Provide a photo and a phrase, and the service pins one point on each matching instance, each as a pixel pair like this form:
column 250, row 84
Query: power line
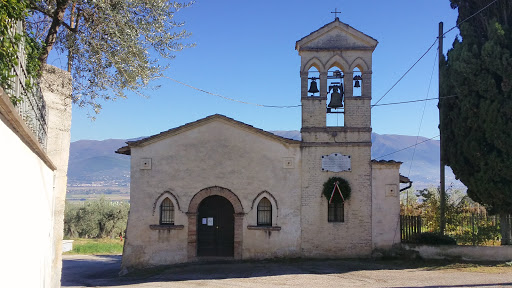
column 376, row 103
column 476, row 13
column 231, row 99
column 422, row 115
column 408, row 70
column 414, row 101
column 407, row 147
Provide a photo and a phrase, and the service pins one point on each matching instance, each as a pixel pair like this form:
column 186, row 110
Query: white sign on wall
column 336, row 162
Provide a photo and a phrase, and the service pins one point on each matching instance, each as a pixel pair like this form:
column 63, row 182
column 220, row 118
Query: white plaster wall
column 218, row 153
column 26, row 213
column 469, row 253
column 385, row 205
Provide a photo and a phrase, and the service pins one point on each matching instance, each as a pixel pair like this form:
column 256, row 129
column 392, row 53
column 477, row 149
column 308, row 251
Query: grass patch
column 96, row 246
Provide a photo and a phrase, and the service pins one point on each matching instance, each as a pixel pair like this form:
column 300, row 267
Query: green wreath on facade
column 342, row 184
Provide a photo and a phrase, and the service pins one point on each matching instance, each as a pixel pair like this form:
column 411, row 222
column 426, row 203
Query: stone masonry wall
column 321, row 238
column 56, row 88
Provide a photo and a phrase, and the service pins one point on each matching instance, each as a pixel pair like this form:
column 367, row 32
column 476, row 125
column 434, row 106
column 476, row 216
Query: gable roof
column 186, row 127
column 364, row 41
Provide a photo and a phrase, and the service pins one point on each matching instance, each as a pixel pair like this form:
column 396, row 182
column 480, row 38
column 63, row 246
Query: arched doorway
column 194, row 218
column 215, row 227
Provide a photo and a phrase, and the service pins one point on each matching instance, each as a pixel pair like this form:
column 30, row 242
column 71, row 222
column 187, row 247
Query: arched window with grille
column 264, row 212
column 167, row 212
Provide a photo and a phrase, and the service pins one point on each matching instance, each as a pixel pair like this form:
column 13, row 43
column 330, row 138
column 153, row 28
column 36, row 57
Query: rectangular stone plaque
column 336, row 162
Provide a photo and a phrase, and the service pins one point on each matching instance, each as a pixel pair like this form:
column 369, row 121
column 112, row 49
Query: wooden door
column 215, row 227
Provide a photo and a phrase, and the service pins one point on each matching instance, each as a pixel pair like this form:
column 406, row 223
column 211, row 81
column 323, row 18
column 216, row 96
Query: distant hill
column 92, row 161
column 95, row 161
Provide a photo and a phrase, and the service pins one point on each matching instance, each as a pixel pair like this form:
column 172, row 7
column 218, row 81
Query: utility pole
column 442, row 193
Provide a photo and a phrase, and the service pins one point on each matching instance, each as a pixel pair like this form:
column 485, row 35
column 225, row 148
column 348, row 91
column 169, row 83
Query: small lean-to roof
column 404, row 179
column 386, row 161
column 216, row 117
column 364, row 41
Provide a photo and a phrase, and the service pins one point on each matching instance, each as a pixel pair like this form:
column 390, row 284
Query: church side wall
column 214, row 154
column 26, row 210
column 385, row 204
column 351, row 238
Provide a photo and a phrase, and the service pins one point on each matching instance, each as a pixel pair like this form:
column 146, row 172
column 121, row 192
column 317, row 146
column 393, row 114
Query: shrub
column 429, row 238
column 95, row 219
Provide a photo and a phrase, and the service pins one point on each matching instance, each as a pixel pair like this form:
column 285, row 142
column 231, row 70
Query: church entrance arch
column 215, row 227
column 221, row 235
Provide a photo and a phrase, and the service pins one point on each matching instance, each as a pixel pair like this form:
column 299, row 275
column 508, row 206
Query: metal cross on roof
column 335, row 13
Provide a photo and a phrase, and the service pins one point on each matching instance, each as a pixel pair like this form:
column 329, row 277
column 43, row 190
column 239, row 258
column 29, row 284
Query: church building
column 218, row 187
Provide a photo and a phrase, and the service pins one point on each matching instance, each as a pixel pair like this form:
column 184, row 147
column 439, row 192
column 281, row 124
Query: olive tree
column 113, row 46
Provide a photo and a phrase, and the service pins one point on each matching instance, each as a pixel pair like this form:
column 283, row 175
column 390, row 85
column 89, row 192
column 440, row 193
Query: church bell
column 357, row 78
column 336, row 96
column 313, row 88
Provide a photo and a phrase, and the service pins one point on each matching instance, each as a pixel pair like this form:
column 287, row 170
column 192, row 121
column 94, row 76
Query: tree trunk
column 506, row 237
column 51, row 37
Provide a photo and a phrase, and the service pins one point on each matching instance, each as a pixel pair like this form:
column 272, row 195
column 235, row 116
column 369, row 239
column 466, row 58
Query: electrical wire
column 457, row 25
column 414, row 101
column 476, row 13
column 406, row 72
column 407, row 147
column 231, row 99
column 376, row 103
column 422, row 115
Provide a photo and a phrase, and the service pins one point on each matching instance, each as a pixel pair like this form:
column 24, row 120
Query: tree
column 113, row 45
column 476, row 126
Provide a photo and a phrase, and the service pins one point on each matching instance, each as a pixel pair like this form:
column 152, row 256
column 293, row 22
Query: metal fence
column 31, row 105
column 470, row 228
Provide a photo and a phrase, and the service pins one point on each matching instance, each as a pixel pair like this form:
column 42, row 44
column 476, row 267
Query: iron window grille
column 264, row 212
column 166, row 212
column 336, row 212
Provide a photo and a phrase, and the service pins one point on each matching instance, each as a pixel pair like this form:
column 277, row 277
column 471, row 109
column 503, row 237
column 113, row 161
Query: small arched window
column 264, row 212
column 166, row 212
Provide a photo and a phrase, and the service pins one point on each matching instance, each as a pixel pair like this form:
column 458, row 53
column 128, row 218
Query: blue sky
column 246, row 50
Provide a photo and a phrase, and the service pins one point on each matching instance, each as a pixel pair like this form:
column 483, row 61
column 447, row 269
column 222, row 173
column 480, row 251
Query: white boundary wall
column 26, row 213
column 473, row 253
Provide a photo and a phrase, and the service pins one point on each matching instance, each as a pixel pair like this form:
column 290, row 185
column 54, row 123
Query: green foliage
column 10, row 43
column 115, row 46
column 429, row 238
column 476, row 126
column 483, row 233
column 342, row 184
column 466, row 222
column 97, row 246
column 95, row 219
column 10, row 12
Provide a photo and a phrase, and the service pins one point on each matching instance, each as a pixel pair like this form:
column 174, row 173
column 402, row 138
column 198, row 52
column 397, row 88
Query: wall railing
column 26, row 93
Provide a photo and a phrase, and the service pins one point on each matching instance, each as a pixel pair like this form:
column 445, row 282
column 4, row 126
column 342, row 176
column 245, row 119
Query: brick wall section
column 313, row 114
column 358, row 112
column 319, row 237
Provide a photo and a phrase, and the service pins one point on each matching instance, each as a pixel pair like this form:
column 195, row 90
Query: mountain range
column 93, row 162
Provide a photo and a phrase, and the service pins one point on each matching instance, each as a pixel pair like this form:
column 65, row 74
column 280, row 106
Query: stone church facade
column 218, row 187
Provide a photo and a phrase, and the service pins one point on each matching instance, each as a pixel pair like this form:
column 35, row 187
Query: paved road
column 101, row 271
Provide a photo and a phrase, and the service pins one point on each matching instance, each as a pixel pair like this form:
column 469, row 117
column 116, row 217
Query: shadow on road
column 101, row 271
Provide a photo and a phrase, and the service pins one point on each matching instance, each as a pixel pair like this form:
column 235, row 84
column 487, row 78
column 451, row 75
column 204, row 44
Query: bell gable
column 336, row 36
